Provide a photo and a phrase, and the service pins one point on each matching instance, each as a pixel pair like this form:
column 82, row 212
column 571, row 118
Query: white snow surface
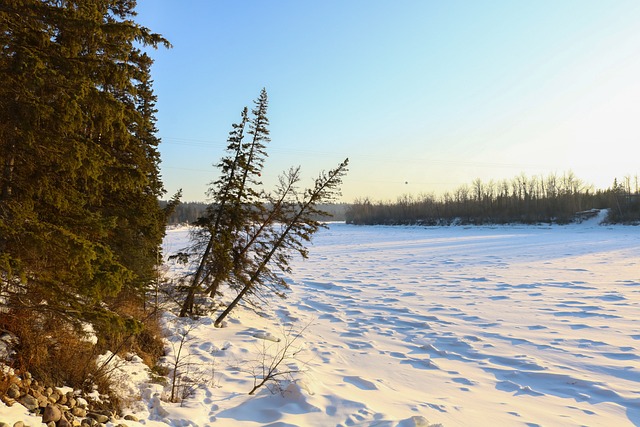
column 414, row 326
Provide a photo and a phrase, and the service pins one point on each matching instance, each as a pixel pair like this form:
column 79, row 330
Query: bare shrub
column 186, row 372
column 277, row 362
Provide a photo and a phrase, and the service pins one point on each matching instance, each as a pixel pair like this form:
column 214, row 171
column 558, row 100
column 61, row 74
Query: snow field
column 482, row 326
column 461, row 326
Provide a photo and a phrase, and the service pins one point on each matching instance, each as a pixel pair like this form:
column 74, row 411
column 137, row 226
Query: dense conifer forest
column 80, row 225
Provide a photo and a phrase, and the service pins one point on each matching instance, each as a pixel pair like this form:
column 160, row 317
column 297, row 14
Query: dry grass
column 59, row 352
column 50, row 348
column 147, row 342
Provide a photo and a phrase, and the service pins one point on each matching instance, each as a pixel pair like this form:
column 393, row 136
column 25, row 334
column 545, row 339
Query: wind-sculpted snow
column 486, row 326
column 478, row 326
column 491, row 326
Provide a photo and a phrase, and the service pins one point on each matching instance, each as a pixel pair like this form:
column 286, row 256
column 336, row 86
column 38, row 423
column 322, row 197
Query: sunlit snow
column 460, row 326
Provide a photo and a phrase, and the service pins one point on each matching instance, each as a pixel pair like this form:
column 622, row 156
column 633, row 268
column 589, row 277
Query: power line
column 355, row 158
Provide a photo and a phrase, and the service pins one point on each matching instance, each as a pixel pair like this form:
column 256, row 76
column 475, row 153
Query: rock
column 89, row 422
column 51, row 413
column 131, row 418
column 63, row 422
column 14, row 391
column 121, row 425
column 30, row 402
column 71, row 402
column 43, row 401
column 63, row 399
column 8, row 401
column 18, row 424
column 51, row 424
column 54, row 397
column 3, row 424
column 98, row 417
column 78, row 412
column 48, row 391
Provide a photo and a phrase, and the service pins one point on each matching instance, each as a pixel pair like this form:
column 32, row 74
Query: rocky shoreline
column 58, row 409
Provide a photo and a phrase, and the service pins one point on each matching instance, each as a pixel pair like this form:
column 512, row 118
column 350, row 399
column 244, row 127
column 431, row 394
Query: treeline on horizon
column 526, row 200
column 190, row 212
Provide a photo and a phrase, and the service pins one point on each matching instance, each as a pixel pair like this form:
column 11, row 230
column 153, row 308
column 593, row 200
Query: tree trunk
column 187, row 305
column 314, row 198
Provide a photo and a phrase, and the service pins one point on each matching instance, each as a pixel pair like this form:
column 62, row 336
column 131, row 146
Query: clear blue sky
column 422, row 96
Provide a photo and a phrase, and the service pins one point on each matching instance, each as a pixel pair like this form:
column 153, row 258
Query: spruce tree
column 247, row 237
column 79, row 218
column 213, row 233
column 236, row 205
column 296, row 223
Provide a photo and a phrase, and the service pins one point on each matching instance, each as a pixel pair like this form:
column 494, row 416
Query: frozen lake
column 476, row 326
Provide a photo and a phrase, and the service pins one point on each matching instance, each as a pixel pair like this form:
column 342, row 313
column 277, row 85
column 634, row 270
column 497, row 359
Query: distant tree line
column 185, row 212
column 523, row 199
column 623, row 201
column 189, row 212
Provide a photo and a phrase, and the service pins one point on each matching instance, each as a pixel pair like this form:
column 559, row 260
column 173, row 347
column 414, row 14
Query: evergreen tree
column 287, row 236
column 247, row 237
column 213, row 233
column 79, row 218
column 235, row 207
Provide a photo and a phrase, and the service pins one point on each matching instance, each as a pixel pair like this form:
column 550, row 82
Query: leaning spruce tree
column 235, row 204
column 212, row 236
column 295, row 226
column 248, row 236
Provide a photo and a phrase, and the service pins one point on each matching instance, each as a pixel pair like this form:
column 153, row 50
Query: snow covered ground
column 460, row 326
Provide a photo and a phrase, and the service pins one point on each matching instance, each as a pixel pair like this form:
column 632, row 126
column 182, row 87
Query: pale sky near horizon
column 423, row 96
